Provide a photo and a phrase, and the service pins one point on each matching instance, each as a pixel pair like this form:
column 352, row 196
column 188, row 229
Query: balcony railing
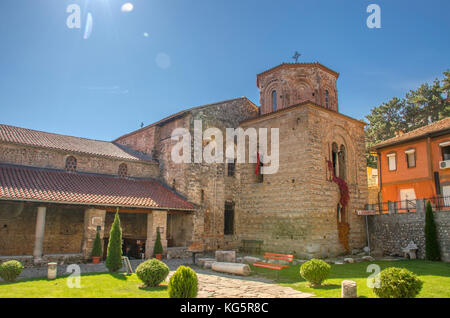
column 440, row 203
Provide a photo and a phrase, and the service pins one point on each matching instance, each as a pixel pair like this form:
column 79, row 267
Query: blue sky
column 168, row 55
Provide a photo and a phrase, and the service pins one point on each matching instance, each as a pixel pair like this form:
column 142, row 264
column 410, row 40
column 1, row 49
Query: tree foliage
column 97, row 249
column 114, row 252
column 432, row 251
column 420, row 107
column 158, row 248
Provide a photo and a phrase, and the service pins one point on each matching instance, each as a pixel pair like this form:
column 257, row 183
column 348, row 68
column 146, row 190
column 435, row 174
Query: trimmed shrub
column 315, row 271
column 10, row 270
column 432, row 251
column 114, row 253
column 158, row 249
column 398, row 283
column 97, row 249
column 152, row 272
column 183, row 283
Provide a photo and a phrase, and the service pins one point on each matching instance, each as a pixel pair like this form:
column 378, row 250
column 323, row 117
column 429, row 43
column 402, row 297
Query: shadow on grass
column 119, row 276
column 326, row 287
column 159, row 288
column 357, row 270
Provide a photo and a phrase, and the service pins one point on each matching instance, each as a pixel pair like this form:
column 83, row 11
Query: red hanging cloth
column 257, row 164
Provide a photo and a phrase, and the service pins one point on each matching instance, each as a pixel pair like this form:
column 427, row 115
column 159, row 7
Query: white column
column 40, row 231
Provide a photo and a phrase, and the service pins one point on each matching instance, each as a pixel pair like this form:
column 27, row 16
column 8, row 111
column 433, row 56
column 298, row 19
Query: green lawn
column 435, row 275
column 99, row 285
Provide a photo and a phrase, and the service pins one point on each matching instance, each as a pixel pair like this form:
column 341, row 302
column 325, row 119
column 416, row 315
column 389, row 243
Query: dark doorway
column 132, row 248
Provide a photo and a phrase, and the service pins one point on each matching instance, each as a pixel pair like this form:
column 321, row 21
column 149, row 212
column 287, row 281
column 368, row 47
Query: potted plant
column 158, row 249
column 97, row 250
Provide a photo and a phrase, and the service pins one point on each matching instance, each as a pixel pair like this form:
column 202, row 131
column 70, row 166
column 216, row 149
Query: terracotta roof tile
column 20, row 183
column 416, row 133
column 29, row 137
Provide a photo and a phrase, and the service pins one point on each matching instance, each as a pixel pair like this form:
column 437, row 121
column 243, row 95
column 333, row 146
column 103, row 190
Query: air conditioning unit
column 444, row 164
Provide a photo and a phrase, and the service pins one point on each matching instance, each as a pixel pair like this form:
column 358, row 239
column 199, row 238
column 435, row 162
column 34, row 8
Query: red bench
column 275, row 256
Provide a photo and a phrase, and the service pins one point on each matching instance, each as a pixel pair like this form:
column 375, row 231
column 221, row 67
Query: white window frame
column 408, row 153
column 389, row 156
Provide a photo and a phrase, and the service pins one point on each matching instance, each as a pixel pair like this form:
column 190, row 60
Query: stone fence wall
column 390, row 232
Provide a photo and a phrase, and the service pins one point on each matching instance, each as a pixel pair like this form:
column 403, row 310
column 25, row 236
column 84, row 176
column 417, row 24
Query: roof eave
column 96, row 204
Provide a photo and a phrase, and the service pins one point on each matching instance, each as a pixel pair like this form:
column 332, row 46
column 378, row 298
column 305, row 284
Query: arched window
column 341, row 217
column 339, row 213
column 327, row 98
column 71, row 164
column 342, row 159
column 274, row 100
column 123, row 170
column 334, row 157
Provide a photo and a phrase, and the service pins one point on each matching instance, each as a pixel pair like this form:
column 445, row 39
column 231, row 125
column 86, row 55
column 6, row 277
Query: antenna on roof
column 296, row 56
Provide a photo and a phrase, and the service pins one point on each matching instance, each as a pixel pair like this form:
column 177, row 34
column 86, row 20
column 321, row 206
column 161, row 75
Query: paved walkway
column 221, row 286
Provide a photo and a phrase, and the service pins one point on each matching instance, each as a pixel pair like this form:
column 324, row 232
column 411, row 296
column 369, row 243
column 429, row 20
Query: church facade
column 57, row 191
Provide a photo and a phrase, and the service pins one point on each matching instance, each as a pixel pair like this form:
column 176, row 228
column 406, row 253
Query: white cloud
column 127, row 7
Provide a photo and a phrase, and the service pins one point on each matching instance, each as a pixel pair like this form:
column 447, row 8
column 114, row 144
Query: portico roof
column 20, row 183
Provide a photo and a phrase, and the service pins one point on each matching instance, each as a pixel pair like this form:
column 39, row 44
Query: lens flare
column 88, row 28
column 163, row 60
column 127, row 7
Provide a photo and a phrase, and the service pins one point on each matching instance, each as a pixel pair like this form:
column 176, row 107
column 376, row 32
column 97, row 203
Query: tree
column 384, row 122
column 446, row 84
column 424, row 105
column 114, row 253
column 420, row 107
column 158, row 249
column 445, row 90
column 432, row 251
column 97, row 249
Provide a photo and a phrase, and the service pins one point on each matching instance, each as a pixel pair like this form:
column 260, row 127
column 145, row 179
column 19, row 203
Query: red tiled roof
column 29, row 137
column 424, row 131
column 20, row 183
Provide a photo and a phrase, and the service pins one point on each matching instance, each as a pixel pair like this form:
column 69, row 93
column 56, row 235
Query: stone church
column 57, row 191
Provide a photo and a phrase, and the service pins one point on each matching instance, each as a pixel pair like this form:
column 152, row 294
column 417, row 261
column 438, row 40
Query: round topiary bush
column 152, row 272
column 397, row 283
column 10, row 270
column 315, row 271
column 183, row 283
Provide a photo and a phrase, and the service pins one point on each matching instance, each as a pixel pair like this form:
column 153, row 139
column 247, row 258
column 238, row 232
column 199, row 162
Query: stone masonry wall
column 294, row 210
column 212, row 179
column 389, row 233
column 63, row 230
column 46, row 158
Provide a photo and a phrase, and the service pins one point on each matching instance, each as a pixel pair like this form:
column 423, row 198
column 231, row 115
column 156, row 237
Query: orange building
column 416, row 165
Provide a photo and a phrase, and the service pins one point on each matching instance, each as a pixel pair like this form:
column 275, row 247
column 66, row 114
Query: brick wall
column 297, row 84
